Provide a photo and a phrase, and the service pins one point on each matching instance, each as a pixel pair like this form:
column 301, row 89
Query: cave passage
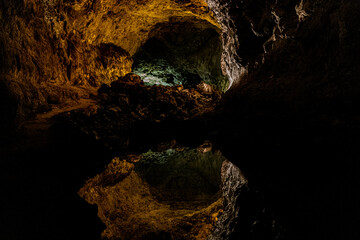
column 181, row 52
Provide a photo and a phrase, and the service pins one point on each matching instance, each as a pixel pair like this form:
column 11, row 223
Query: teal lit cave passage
column 184, row 52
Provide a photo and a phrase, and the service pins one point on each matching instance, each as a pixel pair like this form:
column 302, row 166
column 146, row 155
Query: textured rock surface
column 292, row 113
column 294, row 51
column 47, row 47
column 230, row 61
column 128, row 109
column 29, row 57
column 298, row 105
column 295, row 112
column 57, row 44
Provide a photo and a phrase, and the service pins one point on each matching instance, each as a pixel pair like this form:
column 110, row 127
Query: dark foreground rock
column 129, row 110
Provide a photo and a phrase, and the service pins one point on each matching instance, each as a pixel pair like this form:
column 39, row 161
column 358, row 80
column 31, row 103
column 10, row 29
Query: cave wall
column 291, row 120
column 26, row 51
column 56, row 52
column 290, row 51
column 273, row 51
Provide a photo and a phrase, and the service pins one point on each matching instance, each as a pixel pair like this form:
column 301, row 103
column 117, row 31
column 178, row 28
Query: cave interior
column 169, row 119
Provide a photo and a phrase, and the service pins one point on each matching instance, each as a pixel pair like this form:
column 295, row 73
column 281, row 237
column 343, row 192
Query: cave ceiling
column 128, row 23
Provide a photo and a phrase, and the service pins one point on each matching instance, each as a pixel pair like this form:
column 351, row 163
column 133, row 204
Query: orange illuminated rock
column 52, row 47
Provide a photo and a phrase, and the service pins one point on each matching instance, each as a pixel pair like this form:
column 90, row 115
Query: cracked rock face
column 297, row 60
column 230, row 63
column 51, row 46
column 278, row 50
column 282, row 58
column 250, row 28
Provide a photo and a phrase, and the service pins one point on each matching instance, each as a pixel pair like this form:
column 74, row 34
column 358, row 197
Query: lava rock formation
column 272, row 85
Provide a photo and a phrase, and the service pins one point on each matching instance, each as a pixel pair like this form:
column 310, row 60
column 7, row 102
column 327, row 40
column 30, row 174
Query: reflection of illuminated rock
column 170, row 195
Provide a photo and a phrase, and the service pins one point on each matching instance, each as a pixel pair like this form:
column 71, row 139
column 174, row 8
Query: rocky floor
column 129, row 113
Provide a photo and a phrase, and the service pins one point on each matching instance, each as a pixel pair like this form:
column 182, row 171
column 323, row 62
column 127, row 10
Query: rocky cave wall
column 293, row 110
column 279, row 52
column 55, row 52
column 48, row 47
column 290, row 51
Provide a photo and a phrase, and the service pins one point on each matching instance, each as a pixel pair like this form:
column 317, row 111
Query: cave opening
column 183, row 51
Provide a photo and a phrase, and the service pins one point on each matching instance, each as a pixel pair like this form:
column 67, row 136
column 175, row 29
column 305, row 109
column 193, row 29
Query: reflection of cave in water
column 174, row 194
column 182, row 178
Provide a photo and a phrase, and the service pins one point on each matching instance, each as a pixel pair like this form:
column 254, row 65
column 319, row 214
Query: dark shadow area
column 304, row 161
column 40, row 181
